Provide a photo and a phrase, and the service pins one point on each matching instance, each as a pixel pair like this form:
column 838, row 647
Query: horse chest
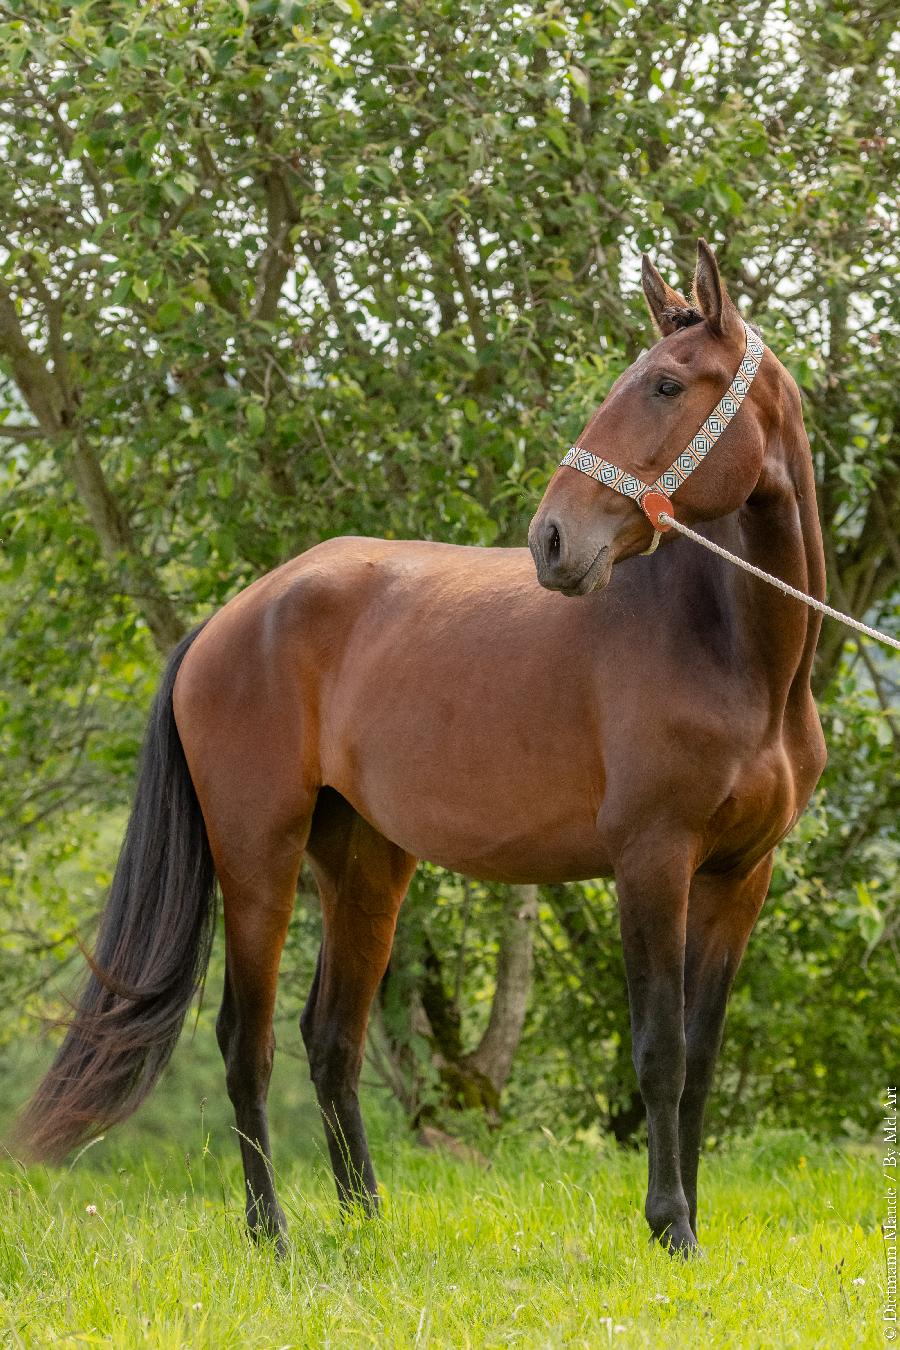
column 762, row 805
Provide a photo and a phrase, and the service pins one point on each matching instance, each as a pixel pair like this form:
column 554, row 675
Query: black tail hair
column 152, row 951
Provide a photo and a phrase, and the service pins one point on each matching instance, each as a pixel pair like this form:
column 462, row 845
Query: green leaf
column 120, row 291
column 579, row 82
column 256, row 418
column 557, row 136
column 169, row 312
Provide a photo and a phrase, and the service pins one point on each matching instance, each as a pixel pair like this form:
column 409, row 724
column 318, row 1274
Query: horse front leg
column 722, row 910
column 652, row 915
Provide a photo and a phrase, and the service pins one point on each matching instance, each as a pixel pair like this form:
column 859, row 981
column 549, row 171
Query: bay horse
column 371, row 703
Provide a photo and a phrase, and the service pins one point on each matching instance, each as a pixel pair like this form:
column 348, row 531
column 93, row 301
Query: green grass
column 548, row 1247
column 545, row 1248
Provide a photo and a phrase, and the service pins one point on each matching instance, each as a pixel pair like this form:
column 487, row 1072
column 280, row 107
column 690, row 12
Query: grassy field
column 141, row 1242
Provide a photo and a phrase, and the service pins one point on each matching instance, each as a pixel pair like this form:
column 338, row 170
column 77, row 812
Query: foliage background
column 271, row 272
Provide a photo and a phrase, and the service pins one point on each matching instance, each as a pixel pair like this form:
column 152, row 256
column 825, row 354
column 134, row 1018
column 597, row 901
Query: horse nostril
column 554, row 545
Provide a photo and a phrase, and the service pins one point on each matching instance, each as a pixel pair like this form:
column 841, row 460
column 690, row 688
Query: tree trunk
column 627, row 1113
column 494, row 1055
column 421, row 1008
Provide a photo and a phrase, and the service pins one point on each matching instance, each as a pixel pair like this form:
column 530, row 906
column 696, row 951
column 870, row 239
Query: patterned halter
column 656, row 497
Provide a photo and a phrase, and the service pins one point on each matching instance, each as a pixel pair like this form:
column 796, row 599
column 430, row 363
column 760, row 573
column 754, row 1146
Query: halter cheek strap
column 656, row 497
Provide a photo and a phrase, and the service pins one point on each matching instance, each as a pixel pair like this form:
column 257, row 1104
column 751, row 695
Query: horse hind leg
column 244, row 726
column 257, row 913
column 362, row 880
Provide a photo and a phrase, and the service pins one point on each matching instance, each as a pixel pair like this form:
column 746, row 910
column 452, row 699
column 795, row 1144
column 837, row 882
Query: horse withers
column 372, row 703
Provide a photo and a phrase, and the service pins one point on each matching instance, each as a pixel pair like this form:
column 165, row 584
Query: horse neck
column 777, row 530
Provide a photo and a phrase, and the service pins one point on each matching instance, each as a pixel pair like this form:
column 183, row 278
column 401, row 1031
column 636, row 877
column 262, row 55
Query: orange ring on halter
column 651, row 504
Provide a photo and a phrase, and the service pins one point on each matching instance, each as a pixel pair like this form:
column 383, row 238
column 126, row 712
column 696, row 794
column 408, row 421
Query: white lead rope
column 778, row 583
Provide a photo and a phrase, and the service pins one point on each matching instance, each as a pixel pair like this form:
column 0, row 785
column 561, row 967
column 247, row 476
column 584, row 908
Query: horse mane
column 682, row 316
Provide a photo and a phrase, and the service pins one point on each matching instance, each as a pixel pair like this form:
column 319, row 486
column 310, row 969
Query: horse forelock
column 682, row 316
column 686, row 316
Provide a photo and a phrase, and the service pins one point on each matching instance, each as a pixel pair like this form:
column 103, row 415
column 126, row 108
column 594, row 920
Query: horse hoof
column 271, row 1229
column 678, row 1240
column 364, row 1204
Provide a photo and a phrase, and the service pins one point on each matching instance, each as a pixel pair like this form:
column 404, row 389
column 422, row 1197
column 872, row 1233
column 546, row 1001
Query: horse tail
column 151, row 955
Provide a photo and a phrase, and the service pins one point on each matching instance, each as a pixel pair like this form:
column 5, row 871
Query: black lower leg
column 652, row 909
column 248, row 1064
column 659, row 1059
column 265, row 1217
column 334, row 1063
column 722, row 910
column 704, row 1036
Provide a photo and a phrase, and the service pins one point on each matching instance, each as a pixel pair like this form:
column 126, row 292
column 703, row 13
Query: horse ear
column 712, row 298
column 662, row 300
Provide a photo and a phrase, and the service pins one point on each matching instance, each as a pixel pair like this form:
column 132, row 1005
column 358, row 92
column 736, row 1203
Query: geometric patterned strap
column 629, row 485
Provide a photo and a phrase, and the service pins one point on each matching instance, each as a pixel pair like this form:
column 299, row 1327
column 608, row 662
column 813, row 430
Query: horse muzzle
column 564, row 566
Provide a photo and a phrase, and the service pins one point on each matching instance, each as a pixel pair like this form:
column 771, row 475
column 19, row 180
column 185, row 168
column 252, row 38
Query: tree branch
column 22, row 433
column 50, row 400
column 470, row 300
column 276, row 259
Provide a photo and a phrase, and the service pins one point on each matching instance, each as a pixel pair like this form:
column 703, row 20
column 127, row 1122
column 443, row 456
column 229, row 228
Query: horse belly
column 480, row 835
column 483, row 774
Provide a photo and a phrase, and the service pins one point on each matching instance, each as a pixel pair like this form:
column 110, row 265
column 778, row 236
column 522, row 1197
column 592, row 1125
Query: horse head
column 646, row 426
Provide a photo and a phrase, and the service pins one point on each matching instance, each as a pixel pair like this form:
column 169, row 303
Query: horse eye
column 668, row 388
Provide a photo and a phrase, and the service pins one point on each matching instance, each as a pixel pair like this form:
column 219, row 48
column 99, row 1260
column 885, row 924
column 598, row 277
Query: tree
column 274, row 271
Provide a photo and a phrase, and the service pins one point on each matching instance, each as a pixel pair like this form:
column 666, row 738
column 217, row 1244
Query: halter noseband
column 656, row 497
